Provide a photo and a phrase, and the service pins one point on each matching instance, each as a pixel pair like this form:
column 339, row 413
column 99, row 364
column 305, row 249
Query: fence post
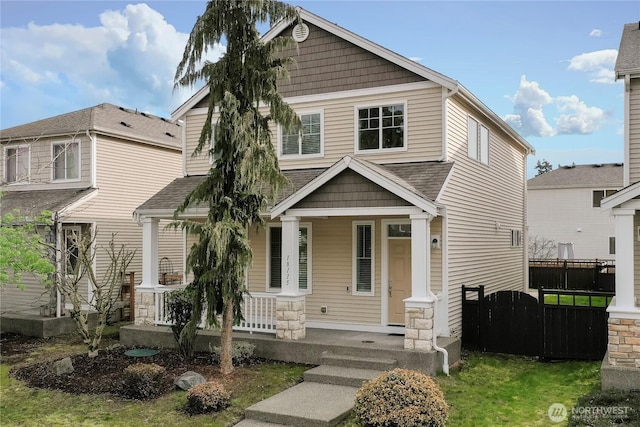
column 566, row 275
column 541, row 323
column 482, row 320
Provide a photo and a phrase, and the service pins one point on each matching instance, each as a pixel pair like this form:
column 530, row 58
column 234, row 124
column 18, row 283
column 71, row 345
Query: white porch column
column 149, row 252
column 290, row 303
column 290, row 255
column 625, row 236
column 421, row 257
column 418, row 309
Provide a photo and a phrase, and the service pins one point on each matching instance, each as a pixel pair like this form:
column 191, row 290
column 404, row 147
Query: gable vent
column 300, row 32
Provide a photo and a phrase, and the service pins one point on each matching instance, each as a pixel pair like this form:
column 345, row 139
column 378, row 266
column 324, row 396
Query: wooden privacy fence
column 559, row 324
column 588, row 275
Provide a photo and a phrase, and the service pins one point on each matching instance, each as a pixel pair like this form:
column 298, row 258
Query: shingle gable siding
column 325, row 63
column 349, row 190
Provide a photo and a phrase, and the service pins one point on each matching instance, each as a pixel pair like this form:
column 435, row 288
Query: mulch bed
column 103, row 373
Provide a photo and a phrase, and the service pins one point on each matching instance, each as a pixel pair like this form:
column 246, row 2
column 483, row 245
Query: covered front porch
column 355, row 247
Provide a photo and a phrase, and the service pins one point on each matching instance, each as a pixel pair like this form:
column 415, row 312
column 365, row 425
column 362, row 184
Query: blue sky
column 546, row 67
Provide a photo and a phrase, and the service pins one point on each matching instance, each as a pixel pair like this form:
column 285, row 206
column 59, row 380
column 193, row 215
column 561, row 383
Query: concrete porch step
column 306, row 404
column 360, row 362
column 340, row 375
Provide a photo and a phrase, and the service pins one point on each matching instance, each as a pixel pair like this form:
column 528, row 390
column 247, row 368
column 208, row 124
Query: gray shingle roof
column 103, row 118
column 628, row 60
column 608, row 175
column 423, row 178
column 33, row 202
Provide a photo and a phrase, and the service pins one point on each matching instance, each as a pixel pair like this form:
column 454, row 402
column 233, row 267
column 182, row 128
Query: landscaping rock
column 62, row 367
column 189, row 379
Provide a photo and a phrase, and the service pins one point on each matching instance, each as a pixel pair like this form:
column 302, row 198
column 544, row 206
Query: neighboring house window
column 477, row 141
column 516, row 238
column 66, row 161
column 612, row 245
column 363, row 258
column 17, row 164
column 598, row 195
column 308, row 141
column 275, row 257
column 381, row 128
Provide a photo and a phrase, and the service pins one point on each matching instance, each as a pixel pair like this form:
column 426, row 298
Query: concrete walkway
column 324, row 399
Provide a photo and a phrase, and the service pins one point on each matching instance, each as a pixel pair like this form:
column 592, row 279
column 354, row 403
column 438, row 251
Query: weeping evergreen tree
column 245, row 175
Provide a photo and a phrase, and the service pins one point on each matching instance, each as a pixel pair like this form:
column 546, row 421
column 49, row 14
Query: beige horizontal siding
column 634, row 132
column 332, row 273
column 483, row 204
column 129, row 174
column 424, row 130
column 41, row 164
column 30, row 298
column 196, row 165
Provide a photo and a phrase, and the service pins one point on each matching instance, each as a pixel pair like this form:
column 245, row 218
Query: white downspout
column 445, row 353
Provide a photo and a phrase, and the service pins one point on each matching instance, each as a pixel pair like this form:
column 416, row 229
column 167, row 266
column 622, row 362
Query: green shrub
column 179, row 305
column 207, row 397
column 144, row 381
column 241, row 353
column 401, row 398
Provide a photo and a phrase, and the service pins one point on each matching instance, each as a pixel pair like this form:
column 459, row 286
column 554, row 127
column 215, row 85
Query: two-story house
column 91, row 168
column 621, row 367
column 404, row 187
column 563, row 205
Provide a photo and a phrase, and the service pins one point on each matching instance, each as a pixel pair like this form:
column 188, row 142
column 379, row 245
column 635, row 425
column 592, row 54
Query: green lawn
column 580, row 300
column 486, row 390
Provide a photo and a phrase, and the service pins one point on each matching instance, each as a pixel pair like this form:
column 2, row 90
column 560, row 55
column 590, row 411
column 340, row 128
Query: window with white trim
column 363, row 258
column 274, row 248
column 516, row 238
column 612, row 245
column 308, row 141
column 16, row 164
column 381, row 128
column 477, row 141
column 66, row 161
column 598, row 195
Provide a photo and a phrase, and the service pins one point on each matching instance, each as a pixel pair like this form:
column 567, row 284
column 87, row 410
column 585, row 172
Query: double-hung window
column 308, row 141
column 274, row 247
column 16, row 164
column 381, row 128
column 363, row 258
column 477, row 141
column 66, row 161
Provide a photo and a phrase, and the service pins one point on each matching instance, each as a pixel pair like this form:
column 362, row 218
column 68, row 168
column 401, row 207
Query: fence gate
column 560, row 324
column 502, row 322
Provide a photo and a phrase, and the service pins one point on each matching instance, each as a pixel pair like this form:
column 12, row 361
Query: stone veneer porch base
column 618, row 377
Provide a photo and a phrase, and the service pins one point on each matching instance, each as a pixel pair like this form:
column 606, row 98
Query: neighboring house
column 91, row 168
column 563, row 205
column 621, row 367
column 404, row 185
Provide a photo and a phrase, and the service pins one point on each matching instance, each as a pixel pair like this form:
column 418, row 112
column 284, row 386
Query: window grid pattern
column 381, row 127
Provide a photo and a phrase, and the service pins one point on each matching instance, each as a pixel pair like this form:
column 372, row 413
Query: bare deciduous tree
column 78, row 269
column 542, row 248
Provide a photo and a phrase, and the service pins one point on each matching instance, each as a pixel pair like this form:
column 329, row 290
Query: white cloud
column 528, row 103
column 598, row 65
column 129, row 59
column 574, row 117
column 415, row 58
column 577, row 117
column 595, row 33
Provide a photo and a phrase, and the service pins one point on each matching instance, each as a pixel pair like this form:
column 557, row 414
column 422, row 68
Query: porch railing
column 258, row 310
